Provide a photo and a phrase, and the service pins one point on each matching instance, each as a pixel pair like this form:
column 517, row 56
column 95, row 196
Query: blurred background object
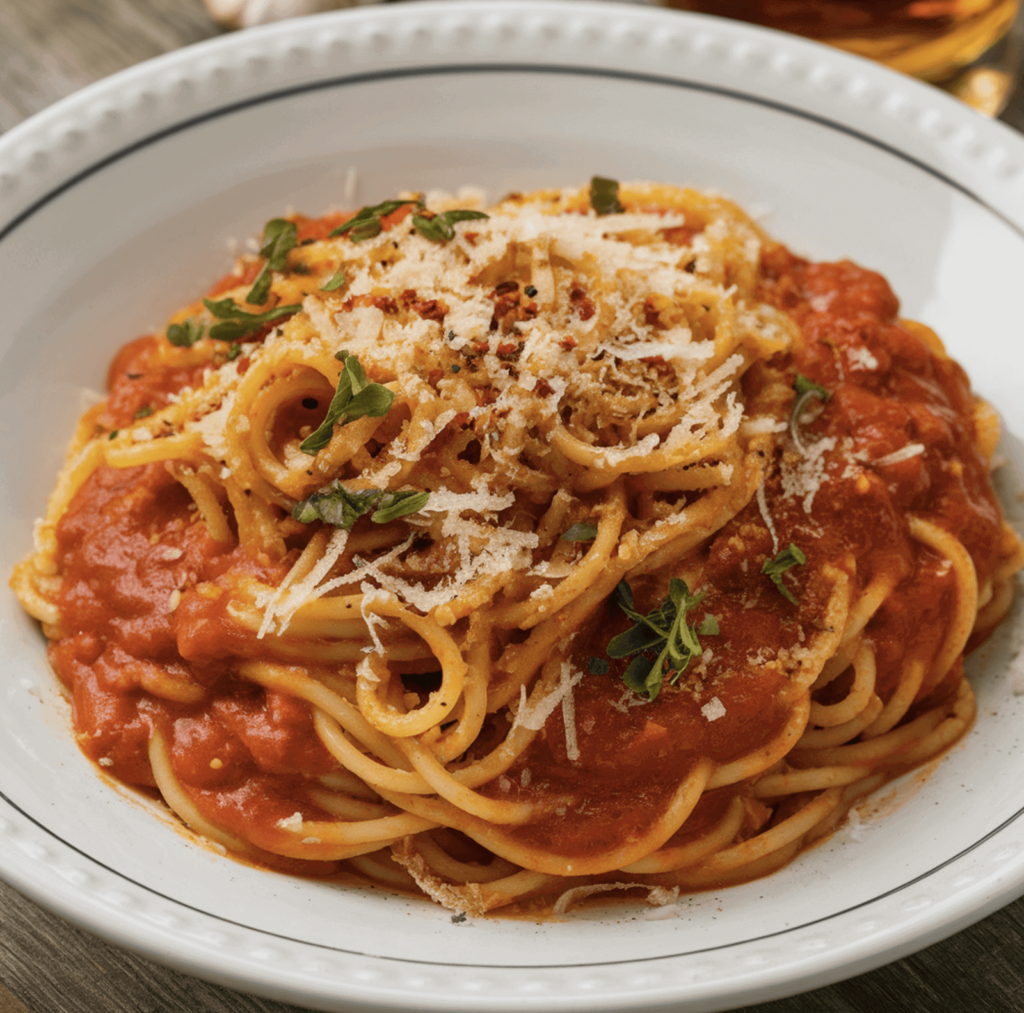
column 247, row 13
column 969, row 47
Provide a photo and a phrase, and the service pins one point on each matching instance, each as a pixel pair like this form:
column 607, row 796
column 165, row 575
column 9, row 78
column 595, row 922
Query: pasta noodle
column 593, row 542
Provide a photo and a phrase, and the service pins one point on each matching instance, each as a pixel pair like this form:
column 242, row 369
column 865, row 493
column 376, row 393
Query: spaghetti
column 591, row 542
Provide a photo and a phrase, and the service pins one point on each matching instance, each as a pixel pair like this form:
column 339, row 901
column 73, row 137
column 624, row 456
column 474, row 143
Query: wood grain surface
column 48, row 49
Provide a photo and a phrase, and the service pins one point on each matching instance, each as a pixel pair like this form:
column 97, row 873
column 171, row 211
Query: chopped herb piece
column 663, row 629
column 184, row 335
column 530, row 291
column 279, row 236
column 785, row 560
column 459, row 918
column 113, row 434
column 804, row 386
column 237, row 323
column 440, row 228
column 234, row 351
column 393, row 505
column 708, row 626
column 355, row 398
column 604, row 196
column 598, row 666
column 456, row 368
column 366, row 223
column 336, row 282
column 144, row 412
column 805, row 390
column 343, row 507
column 586, row 531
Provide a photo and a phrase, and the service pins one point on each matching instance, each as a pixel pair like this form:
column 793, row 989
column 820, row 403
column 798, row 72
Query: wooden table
column 50, row 48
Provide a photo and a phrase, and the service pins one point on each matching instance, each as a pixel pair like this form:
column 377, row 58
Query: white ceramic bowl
column 124, row 200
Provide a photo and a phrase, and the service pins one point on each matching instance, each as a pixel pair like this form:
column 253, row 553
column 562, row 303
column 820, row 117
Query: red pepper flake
column 384, row 303
column 568, row 343
column 584, row 307
column 430, row 309
column 471, row 237
column 243, row 364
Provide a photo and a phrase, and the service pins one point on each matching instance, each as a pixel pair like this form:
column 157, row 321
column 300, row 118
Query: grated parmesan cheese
column 906, row 453
column 292, row 823
column 713, row 709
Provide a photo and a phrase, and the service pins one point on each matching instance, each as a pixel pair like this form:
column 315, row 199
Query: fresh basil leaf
column 636, row 638
column 341, row 507
column 366, row 222
column 636, row 676
column 186, row 334
column 398, row 504
column 604, row 196
column 788, row 558
column 237, row 323
column 279, row 238
column 374, row 402
column 585, row 531
column 336, row 505
column 664, row 629
column 440, row 228
column 337, row 281
column 354, row 398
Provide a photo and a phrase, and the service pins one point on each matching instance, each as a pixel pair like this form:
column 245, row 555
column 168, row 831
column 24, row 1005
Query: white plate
column 121, row 201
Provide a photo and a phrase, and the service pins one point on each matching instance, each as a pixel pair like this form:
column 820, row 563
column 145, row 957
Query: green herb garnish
column 355, row 398
column 598, row 666
column 604, row 196
column 342, row 507
column 185, row 335
column 665, row 630
column 440, row 228
column 366, row 223
column 237, row 323
column 144, row 412
column 805, row 390
column 336, row 282
column 785, row 560
column 585, row 531
column 279, row 237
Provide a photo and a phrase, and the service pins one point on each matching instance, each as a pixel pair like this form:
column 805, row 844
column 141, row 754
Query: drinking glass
column 965, row 46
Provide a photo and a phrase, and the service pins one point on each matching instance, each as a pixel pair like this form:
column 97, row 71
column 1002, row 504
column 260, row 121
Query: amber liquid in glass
column 931, row 39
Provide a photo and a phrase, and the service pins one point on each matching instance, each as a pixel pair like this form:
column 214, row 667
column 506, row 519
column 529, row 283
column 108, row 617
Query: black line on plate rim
column 374, row 76
column 500, row 68
column 449, row 963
